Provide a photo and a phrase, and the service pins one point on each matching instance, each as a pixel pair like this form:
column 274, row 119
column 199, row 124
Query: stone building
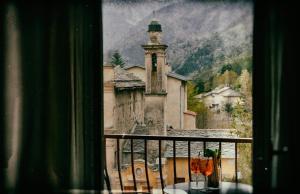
column 124, row 100
column 152, row 94
column 145, row 99
column 217, row 98
column 219, row 102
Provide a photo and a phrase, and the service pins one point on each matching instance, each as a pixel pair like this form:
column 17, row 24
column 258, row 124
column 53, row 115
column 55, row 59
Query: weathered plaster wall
column 129, row 109
column 228, row 169
column 189, row 121
column 218, row 120
column 174, row 111
column 153, row 175
column 221, row 100
column 109, row 104
column 108, row 73
column 155, row 113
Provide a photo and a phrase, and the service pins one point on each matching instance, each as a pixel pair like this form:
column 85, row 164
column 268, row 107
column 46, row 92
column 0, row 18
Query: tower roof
column 154, row 26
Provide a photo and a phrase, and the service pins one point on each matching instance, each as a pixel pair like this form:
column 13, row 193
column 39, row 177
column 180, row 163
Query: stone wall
column 129, row 109
column 218, row 120
column 155, row 113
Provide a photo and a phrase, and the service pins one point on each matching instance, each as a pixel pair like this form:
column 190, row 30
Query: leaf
column 210, row 153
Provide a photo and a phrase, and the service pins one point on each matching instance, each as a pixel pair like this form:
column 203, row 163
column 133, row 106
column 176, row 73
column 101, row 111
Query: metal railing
column 174, row 139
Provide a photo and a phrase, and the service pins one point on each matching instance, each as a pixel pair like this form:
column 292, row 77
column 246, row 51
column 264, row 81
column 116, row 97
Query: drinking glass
column 206, row 168
column 195, row 168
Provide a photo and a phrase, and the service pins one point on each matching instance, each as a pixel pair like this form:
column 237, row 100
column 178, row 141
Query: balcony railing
column 174, row 139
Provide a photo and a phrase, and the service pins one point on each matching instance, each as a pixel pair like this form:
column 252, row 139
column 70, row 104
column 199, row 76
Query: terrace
column 175, row 141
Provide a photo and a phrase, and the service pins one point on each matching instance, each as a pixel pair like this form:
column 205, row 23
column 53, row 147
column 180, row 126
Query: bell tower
column 155, row 61
column 156, row 80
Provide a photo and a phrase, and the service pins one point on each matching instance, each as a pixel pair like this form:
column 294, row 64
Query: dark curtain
column 51, row 96
column 276, row 107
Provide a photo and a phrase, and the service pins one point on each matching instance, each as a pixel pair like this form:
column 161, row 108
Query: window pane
column 175, row 68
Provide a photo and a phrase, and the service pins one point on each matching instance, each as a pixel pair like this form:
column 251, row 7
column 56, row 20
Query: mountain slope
column 199, row 35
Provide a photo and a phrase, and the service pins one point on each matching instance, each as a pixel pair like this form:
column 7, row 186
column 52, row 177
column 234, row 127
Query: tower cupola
column 155, row 31
column 154, row 26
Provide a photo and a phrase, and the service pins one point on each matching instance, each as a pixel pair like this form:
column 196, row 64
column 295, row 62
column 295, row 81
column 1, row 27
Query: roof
column 154, row 26
column 126, row 80
column 181, row 146
column 138, row 144
column 233, row 93
column 171, row 74
column 219, row 91
column 132, row 66
column 196, row 147
column 190, row 112
column 177, row 76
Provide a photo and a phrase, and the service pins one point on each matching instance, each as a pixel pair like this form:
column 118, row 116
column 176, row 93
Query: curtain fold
column 51, row 96
column 276, row 131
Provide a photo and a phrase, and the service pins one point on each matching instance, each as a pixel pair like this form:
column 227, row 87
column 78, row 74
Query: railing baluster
column 220, row 150
column 189, row 160
column 204, row 147
column 105, row 170
column 160, row 166
column 174, row 161
column 132, row 164
column 107, row 182
column 118, row 163
column 167, row 138
column 146, row 165
column 235, row 160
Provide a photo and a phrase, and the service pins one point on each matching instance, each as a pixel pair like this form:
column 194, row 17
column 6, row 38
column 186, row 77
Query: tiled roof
column 138, row 144
column 124, row 79
column 171, row 74
column 219, row 90
column 181, row 146
column 129, row 85
column 131, row 66
column 177, row 76
column 196, row 147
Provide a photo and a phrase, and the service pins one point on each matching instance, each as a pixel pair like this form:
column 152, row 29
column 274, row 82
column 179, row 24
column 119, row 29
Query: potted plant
column 214, row 178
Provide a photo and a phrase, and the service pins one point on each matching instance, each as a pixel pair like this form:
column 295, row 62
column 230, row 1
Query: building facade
column 150, row 95
column 146, row 100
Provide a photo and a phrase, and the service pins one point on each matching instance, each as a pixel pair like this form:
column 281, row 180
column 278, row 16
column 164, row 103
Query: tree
column 227, row 67
column 245, row 80
column 237, row 68
column 199, row 85
column 228, row 78
column 242, row 122
column 228, row 108
column 117, row 59
column 208, row 85
column 196, row 106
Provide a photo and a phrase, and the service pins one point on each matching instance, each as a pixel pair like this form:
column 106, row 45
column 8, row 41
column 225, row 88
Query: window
column 211, row 65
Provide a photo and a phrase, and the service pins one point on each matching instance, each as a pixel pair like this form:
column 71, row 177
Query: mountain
column 201, row 35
